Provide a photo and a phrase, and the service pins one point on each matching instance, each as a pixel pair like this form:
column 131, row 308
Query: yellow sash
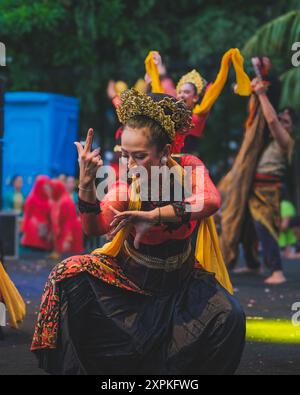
column 152, row 71
column 214, row 90
column 207, row 252
column 11, row 298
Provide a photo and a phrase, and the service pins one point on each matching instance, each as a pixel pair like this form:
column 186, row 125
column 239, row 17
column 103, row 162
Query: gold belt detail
column 169, row 264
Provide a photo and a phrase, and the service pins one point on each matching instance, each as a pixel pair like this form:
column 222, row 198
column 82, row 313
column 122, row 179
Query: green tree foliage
column 276, row 39
column 75, row 47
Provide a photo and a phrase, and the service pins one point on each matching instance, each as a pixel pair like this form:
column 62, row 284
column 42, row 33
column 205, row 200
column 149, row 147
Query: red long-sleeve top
column 205, row 201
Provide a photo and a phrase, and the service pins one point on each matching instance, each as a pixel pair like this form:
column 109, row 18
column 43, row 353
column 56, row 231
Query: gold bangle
column 157, row 221
column 159, row 216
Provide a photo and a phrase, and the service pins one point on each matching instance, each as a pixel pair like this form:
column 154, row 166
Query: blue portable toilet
column 39, row 131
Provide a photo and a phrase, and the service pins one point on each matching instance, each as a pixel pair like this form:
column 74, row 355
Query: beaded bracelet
column 181, row 212
column 89, row 208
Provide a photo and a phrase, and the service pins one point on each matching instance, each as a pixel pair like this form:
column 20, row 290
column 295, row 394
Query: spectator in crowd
column 63, row 178
column 37, row 209
column 72, row 188
column 14, row 199
column 66, row 226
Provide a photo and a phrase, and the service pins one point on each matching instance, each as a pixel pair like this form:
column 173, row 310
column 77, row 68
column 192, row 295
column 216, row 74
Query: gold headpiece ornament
column 120, row 86
column 135, row 103
column 193, row 77
column 140, row 85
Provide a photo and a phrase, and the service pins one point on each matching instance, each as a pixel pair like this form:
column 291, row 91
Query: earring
column 164, row 160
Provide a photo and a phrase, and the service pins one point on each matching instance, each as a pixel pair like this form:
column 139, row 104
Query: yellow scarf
column 11, row 298
column 214, row 90
column 152, row 71
column 207, row 250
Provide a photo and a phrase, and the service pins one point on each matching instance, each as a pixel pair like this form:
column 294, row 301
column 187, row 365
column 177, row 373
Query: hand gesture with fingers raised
column 89, row 161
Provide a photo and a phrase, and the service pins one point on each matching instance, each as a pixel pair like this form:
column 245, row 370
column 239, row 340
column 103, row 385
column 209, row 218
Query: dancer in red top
column 36, row 225
column 143, row 304
column 198, row 95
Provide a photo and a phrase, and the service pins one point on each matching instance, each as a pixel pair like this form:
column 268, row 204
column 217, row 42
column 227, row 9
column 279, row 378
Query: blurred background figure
column 66, row 226
column 63, row 178
column 293, row 224
column 251, row 190
column 15, row 199
column 71, row 186
column 37, row 225
column 287, row 237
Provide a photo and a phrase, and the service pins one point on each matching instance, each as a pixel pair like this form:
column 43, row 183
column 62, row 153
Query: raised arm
column 95, row 216
column 277, row 130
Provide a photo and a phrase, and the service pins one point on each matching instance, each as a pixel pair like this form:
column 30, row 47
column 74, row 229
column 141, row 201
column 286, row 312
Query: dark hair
column 292, row 113
column 159, row 137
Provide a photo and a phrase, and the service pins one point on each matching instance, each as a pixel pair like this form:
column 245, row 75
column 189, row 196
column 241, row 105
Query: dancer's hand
column 147, row 79
column 255, row 61
column 141, row 220
column 157, row 58
column 258, row 87
column 89, row 162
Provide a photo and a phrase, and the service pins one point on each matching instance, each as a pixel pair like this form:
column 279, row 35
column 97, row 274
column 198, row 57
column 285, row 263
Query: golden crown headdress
column 193, row 77
column 135, row 103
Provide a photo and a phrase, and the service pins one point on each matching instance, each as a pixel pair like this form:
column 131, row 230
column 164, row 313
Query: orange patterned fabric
column 104, row 268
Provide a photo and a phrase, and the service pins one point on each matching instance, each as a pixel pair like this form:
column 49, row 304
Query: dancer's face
column 188, row 94
column 138, row 149
column 286, row 121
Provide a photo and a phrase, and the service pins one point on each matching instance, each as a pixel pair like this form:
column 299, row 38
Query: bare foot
column 277, row 278
column 294, row 256
column 247, row 270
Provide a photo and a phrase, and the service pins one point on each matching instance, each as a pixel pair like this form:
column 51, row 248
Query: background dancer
column 251, row 190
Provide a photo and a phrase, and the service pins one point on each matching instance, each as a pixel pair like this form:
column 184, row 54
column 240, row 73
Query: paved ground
column 272, row 303
column 257, row 299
